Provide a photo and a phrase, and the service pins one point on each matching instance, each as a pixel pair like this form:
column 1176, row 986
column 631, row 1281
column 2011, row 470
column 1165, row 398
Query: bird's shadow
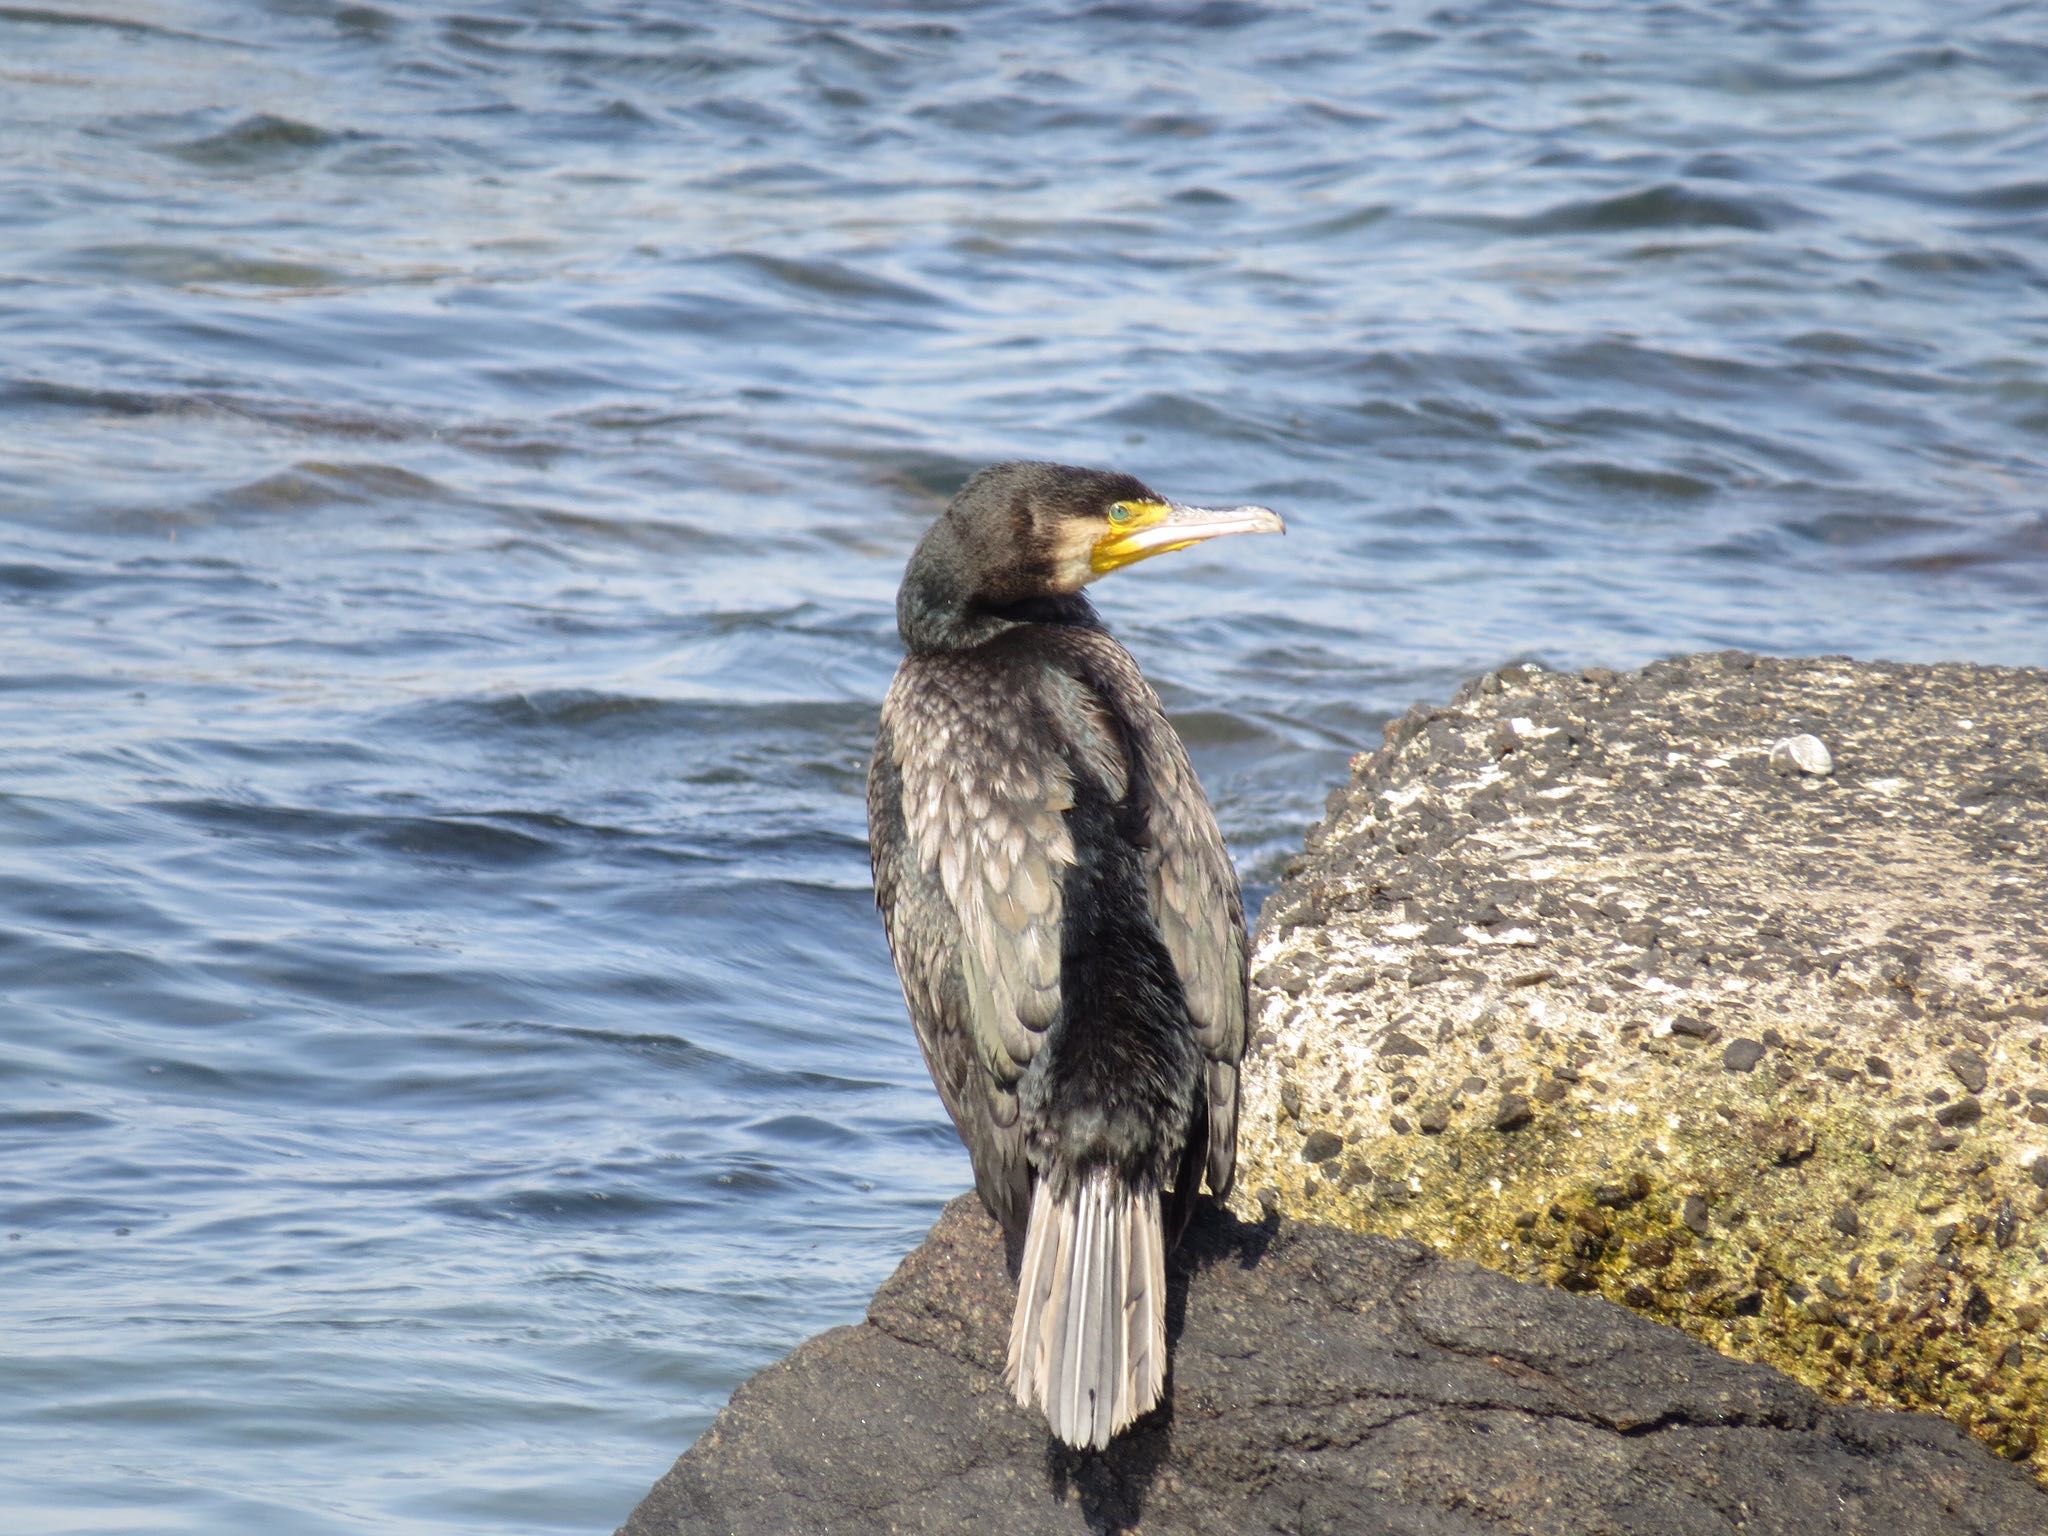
column 1113, row 1484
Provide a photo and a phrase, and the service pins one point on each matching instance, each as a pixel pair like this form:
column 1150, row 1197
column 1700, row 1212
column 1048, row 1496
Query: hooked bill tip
column 1217, row 520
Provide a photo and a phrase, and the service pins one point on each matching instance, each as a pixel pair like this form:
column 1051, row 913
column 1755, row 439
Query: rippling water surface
column 455, row 465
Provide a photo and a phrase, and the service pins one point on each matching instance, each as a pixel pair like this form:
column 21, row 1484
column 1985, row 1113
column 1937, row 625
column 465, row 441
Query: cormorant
column 1064, row 917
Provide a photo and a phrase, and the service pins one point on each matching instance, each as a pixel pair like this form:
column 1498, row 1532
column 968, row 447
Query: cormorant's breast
column 1116, row 1080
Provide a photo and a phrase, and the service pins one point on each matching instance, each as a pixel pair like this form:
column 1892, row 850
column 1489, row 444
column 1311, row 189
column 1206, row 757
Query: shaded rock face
column 1610, row 981
column 1321, row 1383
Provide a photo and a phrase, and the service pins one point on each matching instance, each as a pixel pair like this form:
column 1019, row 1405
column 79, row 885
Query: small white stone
column 1802, row 754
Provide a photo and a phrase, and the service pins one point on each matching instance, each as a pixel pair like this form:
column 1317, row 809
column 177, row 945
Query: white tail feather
column 1088, row 1339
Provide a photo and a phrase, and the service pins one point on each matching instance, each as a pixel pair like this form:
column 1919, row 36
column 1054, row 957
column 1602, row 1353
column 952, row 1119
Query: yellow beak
column 1155, row 527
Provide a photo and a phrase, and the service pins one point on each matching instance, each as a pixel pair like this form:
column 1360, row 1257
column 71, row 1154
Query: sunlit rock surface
column 1576, row 980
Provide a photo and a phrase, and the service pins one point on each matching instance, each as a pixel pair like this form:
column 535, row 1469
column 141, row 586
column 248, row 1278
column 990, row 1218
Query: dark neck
column 951, row 600
column 932, row 619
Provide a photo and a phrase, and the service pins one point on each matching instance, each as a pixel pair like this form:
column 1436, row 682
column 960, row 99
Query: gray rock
column 1321, row 1383
column 1514, row 1113
column 1742, row 1055
column 1321, row 1146
column 1962, row 1112
column 1770, row 996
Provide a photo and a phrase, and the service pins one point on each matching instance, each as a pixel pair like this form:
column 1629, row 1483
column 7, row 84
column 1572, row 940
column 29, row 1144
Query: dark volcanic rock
column 1321, row 1383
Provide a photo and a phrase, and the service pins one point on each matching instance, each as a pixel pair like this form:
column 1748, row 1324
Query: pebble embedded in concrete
column 1807, row 755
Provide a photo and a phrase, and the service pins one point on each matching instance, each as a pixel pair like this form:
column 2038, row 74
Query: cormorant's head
column 1046, row 530
column 1020, row 541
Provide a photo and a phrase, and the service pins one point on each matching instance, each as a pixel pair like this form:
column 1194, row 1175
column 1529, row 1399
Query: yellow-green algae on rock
column 1573, row 981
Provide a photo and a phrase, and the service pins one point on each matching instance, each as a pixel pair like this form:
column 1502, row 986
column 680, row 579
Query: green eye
column 1119, row 514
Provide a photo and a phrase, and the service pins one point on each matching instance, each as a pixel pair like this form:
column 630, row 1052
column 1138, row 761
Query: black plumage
column 1064, row 916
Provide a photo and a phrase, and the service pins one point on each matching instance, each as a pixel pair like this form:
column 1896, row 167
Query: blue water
column 455, row 466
